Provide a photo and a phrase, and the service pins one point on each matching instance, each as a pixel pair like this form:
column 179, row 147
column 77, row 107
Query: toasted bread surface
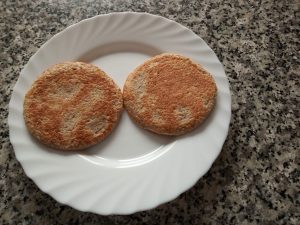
column 169, row 94
column 72, row 106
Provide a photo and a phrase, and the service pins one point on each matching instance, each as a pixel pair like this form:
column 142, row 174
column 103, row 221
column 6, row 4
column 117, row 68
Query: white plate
column 133, row 169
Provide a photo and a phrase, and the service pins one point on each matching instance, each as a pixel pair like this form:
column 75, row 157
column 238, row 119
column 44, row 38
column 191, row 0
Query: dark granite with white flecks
column 255, row 180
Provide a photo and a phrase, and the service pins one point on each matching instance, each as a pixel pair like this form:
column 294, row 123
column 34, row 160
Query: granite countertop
column 255, row 180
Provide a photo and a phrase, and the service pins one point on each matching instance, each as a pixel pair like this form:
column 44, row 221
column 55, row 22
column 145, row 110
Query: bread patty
column 169, row 94
column 72, row 106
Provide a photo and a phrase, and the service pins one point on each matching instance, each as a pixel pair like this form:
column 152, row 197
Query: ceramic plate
column 133, row 170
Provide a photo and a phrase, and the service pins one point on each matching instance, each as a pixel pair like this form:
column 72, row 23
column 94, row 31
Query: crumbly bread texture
column 72, row 106
column 169, row 94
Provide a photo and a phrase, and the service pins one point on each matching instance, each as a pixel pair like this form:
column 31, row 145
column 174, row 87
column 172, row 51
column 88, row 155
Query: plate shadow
column 118, row 47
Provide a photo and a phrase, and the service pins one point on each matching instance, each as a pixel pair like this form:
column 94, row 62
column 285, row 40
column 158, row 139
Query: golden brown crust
column 72, row 106
column 169, row 94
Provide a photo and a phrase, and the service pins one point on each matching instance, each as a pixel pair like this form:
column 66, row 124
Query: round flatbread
column 169, row 94
column 72, row 106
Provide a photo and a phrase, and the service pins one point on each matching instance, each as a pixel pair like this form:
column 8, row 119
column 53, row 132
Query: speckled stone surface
column 256, row 178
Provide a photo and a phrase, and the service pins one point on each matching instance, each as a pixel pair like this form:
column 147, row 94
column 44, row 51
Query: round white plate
column 133, row 170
